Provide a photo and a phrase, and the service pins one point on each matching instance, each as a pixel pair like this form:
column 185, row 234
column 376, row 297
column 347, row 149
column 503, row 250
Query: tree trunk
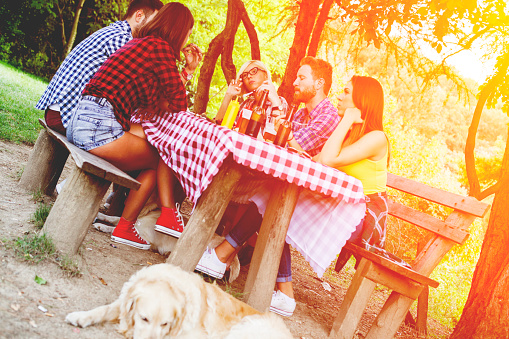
column 305, row 23
column 222, row 45
column 320, row 24
column 486, row 313
column 251, row 33
column 74, row 29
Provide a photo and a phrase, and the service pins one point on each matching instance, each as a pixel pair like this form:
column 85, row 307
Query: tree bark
column 305, row 23
column 222, row 45
column 74, row 29
column 251, row 33
column 320, row 24
column 485, row 93
column 486, row 313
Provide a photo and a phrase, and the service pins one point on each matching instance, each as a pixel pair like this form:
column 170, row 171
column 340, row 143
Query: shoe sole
column 168, row 231
column 209, row 272
column 281, row 312
column 130, row 243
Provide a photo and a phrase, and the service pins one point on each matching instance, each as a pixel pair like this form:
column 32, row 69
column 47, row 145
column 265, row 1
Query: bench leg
column 45, row 164
column 74, row 210
column 206, row 217
column 422, row 312
column 391, row 317
column 353, row 305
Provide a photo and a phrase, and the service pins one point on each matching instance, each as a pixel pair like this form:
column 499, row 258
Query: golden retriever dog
column 159, row 242
column 163, row 301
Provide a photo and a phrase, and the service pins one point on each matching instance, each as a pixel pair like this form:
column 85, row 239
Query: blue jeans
column 93, row 124
column 248, row 225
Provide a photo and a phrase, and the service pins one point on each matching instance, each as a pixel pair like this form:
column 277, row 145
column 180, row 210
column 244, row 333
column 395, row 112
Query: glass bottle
column 284, row 129
column 231, row 113
column 257, row 116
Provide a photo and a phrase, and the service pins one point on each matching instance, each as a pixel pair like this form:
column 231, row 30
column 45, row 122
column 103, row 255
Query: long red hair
column 368, row 96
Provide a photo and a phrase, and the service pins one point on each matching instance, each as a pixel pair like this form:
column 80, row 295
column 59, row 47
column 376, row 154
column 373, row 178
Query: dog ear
column 126, row 317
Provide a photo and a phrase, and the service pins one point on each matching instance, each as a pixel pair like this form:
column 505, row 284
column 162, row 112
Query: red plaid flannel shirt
column 137, row 76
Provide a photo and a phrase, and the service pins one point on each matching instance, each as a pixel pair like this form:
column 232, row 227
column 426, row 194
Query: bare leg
column 286, row 288
column 130, row 153
column 224, row 251
column 165, row 183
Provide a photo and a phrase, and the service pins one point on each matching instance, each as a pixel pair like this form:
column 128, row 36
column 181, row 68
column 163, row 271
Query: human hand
column 353, row 114
column 233, row 89
column 193, row 55
column 273, row 96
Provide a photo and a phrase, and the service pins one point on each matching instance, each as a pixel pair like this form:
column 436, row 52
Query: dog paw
column 80, row 319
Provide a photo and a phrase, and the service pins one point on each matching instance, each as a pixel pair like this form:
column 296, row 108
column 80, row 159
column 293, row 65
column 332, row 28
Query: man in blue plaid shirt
column 64, row 90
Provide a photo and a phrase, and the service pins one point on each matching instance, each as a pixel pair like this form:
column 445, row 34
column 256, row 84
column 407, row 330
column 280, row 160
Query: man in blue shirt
column 64, row 90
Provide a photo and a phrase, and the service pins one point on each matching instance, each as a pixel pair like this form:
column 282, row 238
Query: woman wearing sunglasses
column 253, row 77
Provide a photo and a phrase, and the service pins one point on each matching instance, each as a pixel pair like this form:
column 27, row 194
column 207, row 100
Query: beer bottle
column 231, row 114
column 257, row 116
column 283, row 132
column 245, row 116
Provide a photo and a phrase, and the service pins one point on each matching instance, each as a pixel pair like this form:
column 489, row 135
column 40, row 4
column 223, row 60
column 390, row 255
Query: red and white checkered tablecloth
column 327, row 211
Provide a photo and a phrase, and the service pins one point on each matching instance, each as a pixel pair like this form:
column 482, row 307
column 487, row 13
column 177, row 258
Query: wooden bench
column 78, row 203
column 406, row 284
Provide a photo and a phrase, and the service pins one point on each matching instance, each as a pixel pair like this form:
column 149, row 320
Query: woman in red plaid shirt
column 142, row 76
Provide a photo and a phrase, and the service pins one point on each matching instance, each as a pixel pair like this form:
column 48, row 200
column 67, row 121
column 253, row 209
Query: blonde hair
column 256, row 63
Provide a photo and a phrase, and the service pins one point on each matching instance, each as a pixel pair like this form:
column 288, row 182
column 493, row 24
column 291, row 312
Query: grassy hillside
column 19, row 92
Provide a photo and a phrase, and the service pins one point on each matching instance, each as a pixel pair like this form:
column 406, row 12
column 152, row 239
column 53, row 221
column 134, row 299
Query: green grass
column 33, row 248
column 40, row 215
column 19, row 92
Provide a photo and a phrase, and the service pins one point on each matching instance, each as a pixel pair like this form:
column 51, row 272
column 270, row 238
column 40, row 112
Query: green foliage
column 19, row 92
column 210, row 17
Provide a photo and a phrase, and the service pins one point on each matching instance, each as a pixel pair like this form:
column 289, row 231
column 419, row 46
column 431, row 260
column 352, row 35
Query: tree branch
column 320, row 24
column 251, row 33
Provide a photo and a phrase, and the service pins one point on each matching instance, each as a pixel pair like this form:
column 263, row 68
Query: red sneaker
column 126, row 234
column 170, row 222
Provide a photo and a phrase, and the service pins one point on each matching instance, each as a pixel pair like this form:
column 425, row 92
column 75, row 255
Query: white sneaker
column 211, row 265
column 282, row 304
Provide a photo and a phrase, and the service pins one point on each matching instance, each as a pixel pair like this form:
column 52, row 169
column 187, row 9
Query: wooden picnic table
column 314, row 207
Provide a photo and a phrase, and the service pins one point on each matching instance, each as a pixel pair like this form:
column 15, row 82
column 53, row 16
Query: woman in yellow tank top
column 359, row 147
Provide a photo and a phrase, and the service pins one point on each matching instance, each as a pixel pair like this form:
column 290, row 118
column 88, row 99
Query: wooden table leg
column 74, row 210
column 206, row 217
column 269, row 246
column 45, row 164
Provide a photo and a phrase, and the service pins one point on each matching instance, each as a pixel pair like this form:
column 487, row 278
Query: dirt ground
column 105, row 268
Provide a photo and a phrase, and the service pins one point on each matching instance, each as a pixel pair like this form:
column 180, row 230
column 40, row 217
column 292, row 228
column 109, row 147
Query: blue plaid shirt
column 80, row 65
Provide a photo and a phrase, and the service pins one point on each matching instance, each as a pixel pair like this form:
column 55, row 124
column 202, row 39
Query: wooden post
column 391, row 316
column 356, row 299
column 269, row 246
column 74, row 210
column 206, row 217
column 422, row 312
column 45, row 164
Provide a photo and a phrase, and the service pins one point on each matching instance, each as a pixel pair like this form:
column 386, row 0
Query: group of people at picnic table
column 127, row 72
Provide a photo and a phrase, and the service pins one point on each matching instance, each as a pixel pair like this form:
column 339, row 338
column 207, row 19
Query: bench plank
column 384, row 262
column 452, row 200
column 93, row 164
column 427, row 222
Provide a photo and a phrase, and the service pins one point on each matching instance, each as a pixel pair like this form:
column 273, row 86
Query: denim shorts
column 93, row 124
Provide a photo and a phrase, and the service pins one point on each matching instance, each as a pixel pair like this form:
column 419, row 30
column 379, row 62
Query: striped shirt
column 80, row 65
column 312, row 130
column 138, row 76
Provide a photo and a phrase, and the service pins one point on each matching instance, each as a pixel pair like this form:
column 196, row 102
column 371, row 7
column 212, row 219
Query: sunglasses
column 252, row 71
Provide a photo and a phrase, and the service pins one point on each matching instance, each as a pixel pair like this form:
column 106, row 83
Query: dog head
column 152, row 309
column 157, row 302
